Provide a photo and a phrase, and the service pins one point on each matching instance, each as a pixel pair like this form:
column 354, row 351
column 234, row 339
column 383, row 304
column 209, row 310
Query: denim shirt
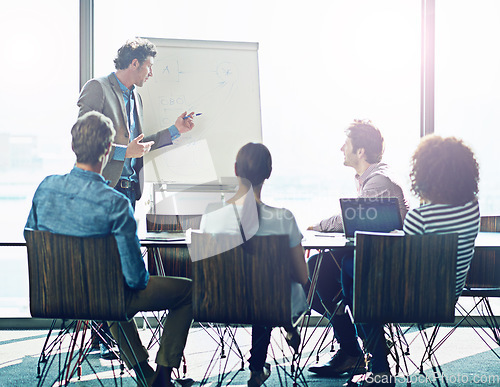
column 81, row 204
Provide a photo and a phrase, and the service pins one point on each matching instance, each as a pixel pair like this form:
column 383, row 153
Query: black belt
column 122, row 183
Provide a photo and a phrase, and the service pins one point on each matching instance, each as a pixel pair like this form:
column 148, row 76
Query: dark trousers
column 372, row 334
column 129, row 192
column 328, row 286
column 328, row 293
column 261, row 337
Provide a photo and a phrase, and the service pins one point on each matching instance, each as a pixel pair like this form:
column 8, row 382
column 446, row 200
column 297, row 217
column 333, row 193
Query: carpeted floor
column 464, row 357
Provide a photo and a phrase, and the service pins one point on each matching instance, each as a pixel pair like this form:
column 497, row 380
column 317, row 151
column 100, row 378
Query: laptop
column 370, row 214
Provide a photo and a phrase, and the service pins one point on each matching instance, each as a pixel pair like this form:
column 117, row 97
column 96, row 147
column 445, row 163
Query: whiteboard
column 218, row 79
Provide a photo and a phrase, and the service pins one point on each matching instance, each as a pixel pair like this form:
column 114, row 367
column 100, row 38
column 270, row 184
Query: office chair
column 77, row 280
column 406, row 279
column 332, row 259
column 167, row 261
column 246, row 284
column 483, row 283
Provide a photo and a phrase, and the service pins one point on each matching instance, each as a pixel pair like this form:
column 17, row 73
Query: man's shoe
column 107, row 354
column 161, row 378
column 181, row 382
column 340, row 364
column 293, row 338
column 184, row 382
column 383, row 379
column 257, row 378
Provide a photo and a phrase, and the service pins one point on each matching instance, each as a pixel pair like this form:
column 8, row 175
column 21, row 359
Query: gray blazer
column 105, row 96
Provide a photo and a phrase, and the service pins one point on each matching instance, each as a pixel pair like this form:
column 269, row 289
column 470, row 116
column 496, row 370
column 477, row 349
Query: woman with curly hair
column 445, row 176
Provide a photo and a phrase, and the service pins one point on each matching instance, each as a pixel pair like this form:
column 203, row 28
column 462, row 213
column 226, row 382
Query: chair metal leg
column 430, row 354
column 225, row 337
column 70, row 355
column 306, row 330
column 283, row 355
column 46, row 349
column 52, row 351
column 486, row 317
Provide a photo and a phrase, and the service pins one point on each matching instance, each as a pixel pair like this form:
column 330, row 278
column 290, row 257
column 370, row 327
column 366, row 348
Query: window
column 40, row 89
column 467, row 84
column 320, row 67
column 318, row 72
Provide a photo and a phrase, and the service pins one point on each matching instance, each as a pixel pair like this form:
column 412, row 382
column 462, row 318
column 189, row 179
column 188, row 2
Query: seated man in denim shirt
column 81, row 204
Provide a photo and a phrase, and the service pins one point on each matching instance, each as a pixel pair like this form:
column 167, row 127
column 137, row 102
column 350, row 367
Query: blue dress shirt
column 81, row 204
column 128, row 172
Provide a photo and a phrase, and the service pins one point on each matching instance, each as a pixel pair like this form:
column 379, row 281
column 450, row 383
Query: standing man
column 363, row 150
column 116, row 97
column 81, row 204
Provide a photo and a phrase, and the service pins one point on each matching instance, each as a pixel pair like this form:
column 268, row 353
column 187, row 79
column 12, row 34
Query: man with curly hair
column 116, row 97
column 363, row 150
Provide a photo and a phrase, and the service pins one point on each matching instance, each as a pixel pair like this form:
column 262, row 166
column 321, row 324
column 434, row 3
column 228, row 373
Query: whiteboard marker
column 194, row 115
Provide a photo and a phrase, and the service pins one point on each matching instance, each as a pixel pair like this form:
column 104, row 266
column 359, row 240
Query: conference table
column 170, row 255
column 320, row 241
column 313, row 240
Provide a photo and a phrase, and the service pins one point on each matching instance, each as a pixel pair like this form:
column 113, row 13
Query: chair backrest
column 410, row 278
column 75, row 278
column 247, row 284
column 484, row 269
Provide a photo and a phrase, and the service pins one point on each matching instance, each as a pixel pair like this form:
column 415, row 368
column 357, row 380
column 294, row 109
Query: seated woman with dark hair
column 246, row 214
column 445, row 176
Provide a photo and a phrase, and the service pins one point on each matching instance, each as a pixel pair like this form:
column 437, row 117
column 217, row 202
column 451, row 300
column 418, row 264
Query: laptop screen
column 370, row 214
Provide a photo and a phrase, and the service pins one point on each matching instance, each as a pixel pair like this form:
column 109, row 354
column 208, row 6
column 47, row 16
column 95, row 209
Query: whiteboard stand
column 221, row 81
column 227, row 185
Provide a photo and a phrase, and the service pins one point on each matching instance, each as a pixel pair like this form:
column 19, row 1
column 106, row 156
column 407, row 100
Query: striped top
column 445, row 218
